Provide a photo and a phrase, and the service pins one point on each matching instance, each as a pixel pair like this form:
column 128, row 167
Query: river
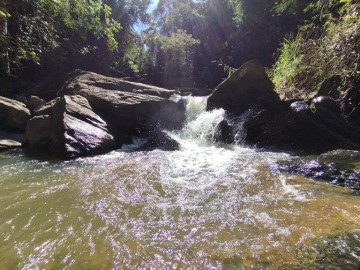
column 205, row 206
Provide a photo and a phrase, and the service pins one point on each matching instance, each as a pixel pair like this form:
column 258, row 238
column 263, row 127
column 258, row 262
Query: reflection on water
column 196, row 208
column 203, row 207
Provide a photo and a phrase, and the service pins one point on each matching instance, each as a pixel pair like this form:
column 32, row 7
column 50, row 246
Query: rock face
column 126, row 106
column 34, row 102
column 13, row 115
column 80, row 80
column 98, row 114
column 248, row 87
column 267, row 122
column 66, row 128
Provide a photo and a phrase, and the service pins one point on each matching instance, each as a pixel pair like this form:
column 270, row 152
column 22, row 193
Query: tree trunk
column 4, row 54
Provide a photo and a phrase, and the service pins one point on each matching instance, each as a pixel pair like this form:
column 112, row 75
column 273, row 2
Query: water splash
column 200, row 124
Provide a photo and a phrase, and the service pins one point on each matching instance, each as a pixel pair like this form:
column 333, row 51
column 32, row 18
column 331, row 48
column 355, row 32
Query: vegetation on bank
column 324, row 53
column 182, row 43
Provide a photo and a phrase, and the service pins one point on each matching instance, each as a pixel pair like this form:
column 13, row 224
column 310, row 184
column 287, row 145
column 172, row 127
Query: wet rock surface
column 300, row 127
column 67, row 128
column 340, row 167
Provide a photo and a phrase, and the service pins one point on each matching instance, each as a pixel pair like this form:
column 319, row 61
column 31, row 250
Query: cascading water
column 200, row 124
column 203, row 207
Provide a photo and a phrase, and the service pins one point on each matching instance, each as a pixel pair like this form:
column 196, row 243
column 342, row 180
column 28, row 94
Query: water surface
column 203, row 207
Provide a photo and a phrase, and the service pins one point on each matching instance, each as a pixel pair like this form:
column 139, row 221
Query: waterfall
column 200, row 124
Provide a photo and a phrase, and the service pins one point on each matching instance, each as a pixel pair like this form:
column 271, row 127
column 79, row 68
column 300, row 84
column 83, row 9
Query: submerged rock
column 13, row 115
column 336, row 167
column 67, row 128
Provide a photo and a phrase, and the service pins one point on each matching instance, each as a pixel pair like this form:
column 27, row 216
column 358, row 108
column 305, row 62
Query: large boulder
column 248, row 87
column 304, row 131
column 13, row 115
column 126, row 106
column 66, row 128
column 80, row 79
column 256, row 114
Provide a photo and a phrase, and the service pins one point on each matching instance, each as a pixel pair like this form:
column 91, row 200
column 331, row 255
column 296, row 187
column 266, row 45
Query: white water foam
column 200, row 124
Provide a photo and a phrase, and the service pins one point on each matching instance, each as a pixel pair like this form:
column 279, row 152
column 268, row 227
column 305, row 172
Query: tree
column 170, row 40
column 178, row 47
column 42, row 30
column 4, row 55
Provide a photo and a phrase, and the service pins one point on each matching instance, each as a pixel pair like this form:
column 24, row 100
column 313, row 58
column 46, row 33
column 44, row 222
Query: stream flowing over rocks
column 218, row 200
column 95, row 114
column 252, row 105
column 207, row 205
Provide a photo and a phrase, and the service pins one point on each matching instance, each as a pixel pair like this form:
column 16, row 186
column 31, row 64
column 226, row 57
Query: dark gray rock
column 224, row 133
column 128, row 107
column 326, row 105
column 11, row 140
column 195, row 92
column 67, row 128
column 13, row 115
column 331, row 87
column 273, row 124
column 160, row 140
column 34, row 102
column 80, row 80
column 9, row 144
column 247, row 87
column 337, row 167
column 350, row 105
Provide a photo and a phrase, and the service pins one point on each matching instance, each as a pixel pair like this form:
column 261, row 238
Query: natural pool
column 203, row 207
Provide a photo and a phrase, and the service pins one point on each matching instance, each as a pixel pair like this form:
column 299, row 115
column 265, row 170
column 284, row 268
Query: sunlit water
column 203, row 207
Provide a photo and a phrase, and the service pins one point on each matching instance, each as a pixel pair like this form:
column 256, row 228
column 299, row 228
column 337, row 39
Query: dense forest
column 183, row 43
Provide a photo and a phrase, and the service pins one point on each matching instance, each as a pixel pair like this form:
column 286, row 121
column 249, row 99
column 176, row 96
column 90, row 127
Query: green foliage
column 323, row 48
column 4, row 13
column 289, row 65
column 177, row 41
column 136, row 57
column 89, row 16
column 178, row 49
column 66, row 28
